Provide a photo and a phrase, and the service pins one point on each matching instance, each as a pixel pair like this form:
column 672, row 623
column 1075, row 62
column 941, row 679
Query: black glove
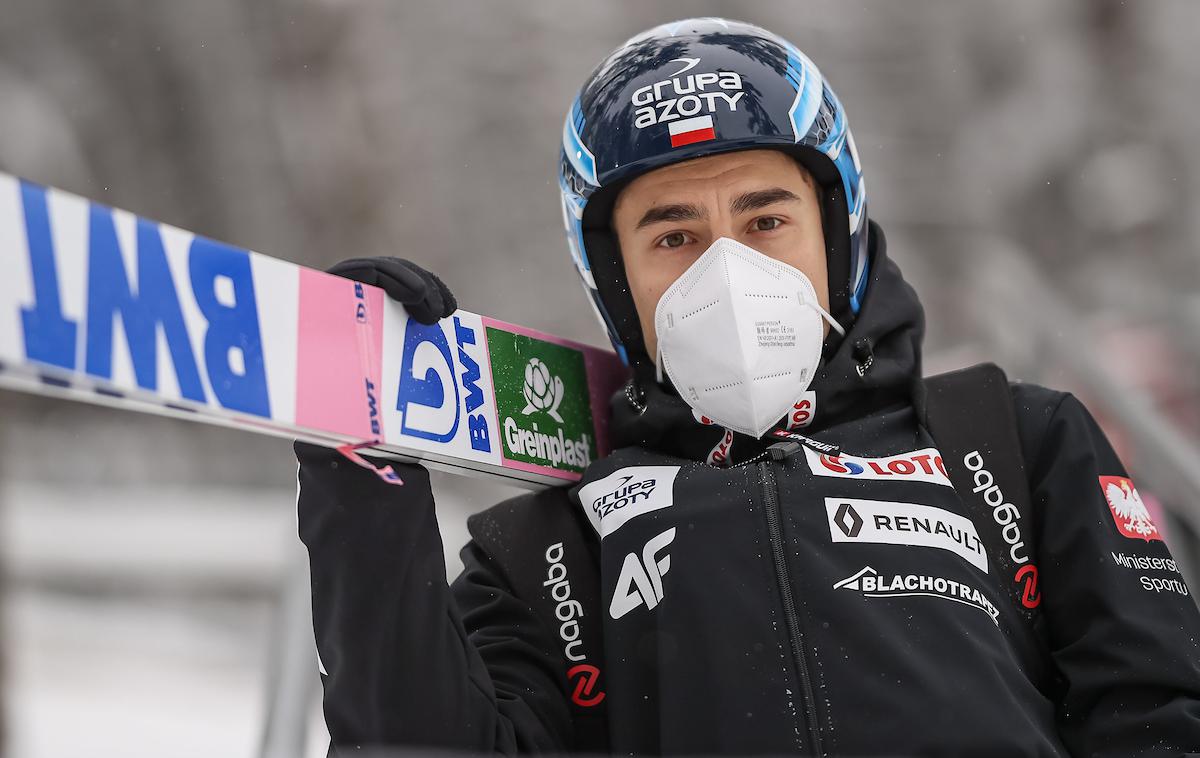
column 421, row 293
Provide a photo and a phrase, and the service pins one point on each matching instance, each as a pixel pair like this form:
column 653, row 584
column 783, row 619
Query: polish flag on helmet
column 691, row 130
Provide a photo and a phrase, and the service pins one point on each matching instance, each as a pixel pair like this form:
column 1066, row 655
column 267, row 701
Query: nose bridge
column 720, row 219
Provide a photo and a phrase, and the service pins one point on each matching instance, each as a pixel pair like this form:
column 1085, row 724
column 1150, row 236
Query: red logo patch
column 1031, row 596
column 588, row 677
column 1128, row 511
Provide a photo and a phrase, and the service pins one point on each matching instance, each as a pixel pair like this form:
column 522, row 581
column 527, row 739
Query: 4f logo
column 641, row 576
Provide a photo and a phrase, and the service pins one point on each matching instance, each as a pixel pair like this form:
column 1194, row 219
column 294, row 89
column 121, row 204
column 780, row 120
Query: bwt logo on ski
column 543, row 401
column 372, row 407
column 427, row 370
column 686, row 96
column 360, row 315
column 585, row 676
column 886, row 523
column 625, row 494
column 917, row 466
column 641, row 579
column 217, row 353
column 360, row 304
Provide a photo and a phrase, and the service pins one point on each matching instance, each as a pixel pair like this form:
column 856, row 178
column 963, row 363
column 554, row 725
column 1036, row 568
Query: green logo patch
column 543, row 401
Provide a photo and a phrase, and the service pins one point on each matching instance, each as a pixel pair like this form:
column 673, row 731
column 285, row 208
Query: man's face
column 667, row 218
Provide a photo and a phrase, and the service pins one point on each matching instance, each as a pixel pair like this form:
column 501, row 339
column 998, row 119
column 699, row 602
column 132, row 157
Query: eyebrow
column 676, row 212
column 760, row 199
column 747, row 201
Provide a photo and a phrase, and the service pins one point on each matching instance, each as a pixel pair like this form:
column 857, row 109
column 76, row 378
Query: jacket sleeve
column 399, row 665
column 1124, row 628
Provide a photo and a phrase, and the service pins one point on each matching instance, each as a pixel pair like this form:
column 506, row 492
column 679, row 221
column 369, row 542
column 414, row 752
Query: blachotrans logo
column 871, row 583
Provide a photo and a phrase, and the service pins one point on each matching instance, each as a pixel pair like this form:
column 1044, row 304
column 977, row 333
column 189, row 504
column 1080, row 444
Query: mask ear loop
column 658, row 371
column 837, row 327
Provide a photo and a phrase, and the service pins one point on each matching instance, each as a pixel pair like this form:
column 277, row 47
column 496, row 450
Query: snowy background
column 1033, row 163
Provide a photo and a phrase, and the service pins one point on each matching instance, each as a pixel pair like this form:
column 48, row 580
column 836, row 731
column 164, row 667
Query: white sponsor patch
column 883, row 522
column 871, row 583
column 626, row 493
column 801, row 414
column 917, row 466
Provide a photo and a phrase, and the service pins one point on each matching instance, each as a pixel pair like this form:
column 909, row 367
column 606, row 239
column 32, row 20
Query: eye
column 673, row 240
column 767, row 223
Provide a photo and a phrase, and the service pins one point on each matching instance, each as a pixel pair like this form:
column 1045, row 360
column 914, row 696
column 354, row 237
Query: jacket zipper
column 791, row 618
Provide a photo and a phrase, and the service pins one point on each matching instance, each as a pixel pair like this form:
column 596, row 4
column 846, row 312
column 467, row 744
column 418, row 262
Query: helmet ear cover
column 608, row 268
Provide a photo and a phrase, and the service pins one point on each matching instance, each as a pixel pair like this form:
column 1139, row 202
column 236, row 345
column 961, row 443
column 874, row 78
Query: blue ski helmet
column 692, row 88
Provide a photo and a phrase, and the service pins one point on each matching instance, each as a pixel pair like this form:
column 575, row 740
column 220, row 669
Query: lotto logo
column 917, row 466
column 802, row 412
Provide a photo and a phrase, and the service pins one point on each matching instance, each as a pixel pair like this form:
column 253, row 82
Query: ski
column 103, row 306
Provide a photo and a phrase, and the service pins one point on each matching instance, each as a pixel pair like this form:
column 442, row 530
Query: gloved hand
column 423, row 295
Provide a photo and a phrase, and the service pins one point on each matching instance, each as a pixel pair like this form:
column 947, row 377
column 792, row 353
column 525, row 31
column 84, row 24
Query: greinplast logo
column 543, row 401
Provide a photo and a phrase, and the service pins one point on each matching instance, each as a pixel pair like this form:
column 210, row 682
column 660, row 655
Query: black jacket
column 802, row 605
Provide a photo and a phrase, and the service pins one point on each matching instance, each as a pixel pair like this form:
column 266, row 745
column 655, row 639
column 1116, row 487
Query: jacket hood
column 876, row 365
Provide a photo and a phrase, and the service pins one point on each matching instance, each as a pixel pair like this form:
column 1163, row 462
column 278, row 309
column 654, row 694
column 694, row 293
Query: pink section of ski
column 567, row 476
column 331, row 393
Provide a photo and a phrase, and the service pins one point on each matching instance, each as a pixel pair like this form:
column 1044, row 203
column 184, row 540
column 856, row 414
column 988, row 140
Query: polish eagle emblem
column 1128, row 511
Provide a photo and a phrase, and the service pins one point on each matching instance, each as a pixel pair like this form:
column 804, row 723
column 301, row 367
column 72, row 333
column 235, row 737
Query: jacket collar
column 876, row 365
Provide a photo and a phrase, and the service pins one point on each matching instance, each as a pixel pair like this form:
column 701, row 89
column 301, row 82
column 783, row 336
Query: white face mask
column 740, row 335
